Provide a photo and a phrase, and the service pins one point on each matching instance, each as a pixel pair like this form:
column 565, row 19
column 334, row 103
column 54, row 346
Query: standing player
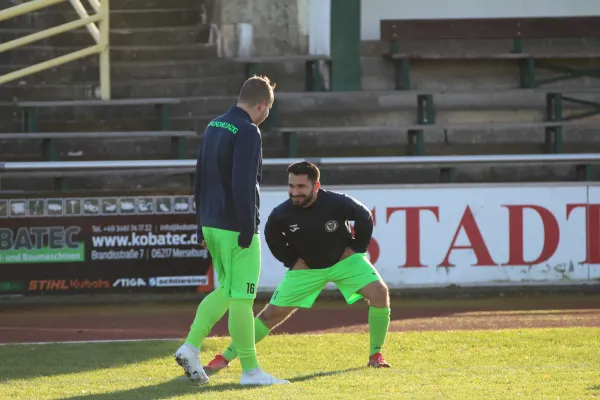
column 310, row 234
column 227, row 196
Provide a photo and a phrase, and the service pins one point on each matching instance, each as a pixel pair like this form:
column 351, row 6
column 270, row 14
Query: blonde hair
column 256, row 89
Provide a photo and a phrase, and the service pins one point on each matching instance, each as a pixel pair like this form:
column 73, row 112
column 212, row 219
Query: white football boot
column 189, row 359
column 259, row 377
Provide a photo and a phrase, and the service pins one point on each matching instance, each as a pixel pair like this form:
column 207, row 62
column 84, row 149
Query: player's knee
column 386, row 294
column 378, row 295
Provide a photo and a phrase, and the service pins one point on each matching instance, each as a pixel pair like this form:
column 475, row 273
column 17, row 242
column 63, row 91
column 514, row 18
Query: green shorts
column 237, row 269
column 300, row 288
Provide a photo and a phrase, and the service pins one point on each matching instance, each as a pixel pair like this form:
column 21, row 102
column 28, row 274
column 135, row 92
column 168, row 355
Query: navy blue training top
column 318, row 234
column 228, row 175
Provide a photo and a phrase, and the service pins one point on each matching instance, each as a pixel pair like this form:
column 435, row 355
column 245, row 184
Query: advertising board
column 426, row 236
column 102, row 243
column 473, row 235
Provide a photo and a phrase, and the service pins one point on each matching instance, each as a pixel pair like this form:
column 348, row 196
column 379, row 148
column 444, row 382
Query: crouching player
column 310, row 234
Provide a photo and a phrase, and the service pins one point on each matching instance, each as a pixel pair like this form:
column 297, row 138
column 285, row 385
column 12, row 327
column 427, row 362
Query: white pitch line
column 91, row 341
column 88, row 330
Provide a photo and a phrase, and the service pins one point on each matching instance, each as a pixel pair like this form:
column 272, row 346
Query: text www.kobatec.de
column 134, row 246
column 145, row 239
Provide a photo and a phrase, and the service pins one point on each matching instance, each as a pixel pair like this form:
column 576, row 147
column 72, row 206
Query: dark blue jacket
column 228, row 176
column 318, row 234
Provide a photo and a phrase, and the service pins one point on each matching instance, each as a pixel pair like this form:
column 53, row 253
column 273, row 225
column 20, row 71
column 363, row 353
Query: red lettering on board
column 413, row 232
column 515, row 234
column 592, row 231
column 477, row 243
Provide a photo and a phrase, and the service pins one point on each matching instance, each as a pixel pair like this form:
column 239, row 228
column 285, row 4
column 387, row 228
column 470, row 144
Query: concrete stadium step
column 381, row 175
column 329, row 108
column 369, row 142
column 158, row 36
column 117, row 181
column 33, row 54
column 449, row 75
column 149, row 88
column 133, row 18
column 192, row 113
column 377, row 74
column 393, row 140
column 9, row 119
column 88, row 149
column 467, row 100
column 88, row 71
column 133, row 122
column 203, row 109
column 376, row 107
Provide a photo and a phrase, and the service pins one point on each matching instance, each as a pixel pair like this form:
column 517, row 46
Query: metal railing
column 64, row 167
column 58, row 170
column 99, row 33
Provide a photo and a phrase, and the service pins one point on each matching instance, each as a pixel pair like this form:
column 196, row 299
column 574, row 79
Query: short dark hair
column 256, row 89
column 305, row 168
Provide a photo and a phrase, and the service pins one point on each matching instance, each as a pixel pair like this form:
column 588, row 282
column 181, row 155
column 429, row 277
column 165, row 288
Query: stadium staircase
column 162, row 49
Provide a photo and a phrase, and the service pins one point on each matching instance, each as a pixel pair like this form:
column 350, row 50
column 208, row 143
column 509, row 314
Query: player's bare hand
column 203, row 244
column 347, row 253
column 300, row 264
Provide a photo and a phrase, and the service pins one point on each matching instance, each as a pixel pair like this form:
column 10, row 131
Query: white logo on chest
column 294, row 228
column 331, row 226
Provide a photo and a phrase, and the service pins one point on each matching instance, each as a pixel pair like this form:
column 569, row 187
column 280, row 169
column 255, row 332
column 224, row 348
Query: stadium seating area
column 429, row 88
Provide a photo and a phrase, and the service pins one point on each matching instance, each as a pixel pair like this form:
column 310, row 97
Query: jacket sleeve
column 277, row 242
column 197, row 186
column 363, row 223
column 246, row 156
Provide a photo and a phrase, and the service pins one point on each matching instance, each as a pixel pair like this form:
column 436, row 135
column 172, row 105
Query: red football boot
column 217, row 364
column 375, row 361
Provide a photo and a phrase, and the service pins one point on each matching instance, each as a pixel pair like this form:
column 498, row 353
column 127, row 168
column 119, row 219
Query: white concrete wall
column 375, row 10
column 319, row 26
column 304, row 24
column 277, row 27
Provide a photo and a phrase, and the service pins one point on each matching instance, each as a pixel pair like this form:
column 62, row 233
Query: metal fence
column 100, row 34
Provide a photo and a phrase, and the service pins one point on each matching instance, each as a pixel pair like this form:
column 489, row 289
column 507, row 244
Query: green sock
column 241, row 330
column 211, row 309
column 260, row 332
column 379, row 321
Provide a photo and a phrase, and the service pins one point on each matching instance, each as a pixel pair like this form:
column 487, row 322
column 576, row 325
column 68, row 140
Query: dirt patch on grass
column 115, row 322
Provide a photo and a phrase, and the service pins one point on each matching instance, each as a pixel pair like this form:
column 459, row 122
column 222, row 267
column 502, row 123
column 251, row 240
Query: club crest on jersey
column 331, row 226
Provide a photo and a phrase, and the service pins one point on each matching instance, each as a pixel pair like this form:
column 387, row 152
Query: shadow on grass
column 28, row 361
column 596, row 388
column 182, row 386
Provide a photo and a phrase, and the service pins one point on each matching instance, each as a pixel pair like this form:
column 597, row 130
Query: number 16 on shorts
column 250, row 288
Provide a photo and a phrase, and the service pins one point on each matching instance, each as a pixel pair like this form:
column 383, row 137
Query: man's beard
column 304, row 200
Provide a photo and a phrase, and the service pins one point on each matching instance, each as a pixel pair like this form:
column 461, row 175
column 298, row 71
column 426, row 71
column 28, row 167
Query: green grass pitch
column 525, row 364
